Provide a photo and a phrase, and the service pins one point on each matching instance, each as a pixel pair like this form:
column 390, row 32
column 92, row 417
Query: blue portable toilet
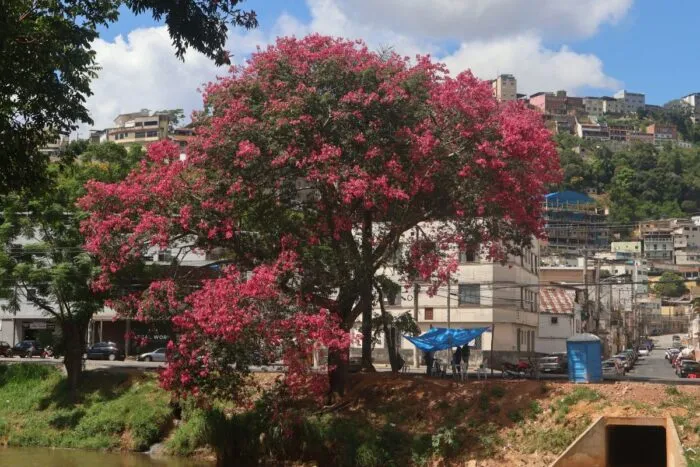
column 585, row 365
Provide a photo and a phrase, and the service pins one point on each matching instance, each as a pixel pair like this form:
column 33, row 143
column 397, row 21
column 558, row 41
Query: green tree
column 670, row 285
column 47, row 65
column 43, row 262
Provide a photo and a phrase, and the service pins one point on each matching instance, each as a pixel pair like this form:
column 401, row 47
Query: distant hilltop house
column 142, row 128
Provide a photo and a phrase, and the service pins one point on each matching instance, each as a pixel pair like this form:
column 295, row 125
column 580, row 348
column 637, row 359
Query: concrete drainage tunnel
column 626, row 442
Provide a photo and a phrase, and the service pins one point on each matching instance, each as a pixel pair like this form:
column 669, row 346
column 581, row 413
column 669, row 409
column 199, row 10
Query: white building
column 482, row 294
column 559, row 319
column 633, row 101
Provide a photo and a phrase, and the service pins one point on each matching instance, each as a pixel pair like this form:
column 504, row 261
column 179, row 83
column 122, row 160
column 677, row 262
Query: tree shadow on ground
column 94, row 384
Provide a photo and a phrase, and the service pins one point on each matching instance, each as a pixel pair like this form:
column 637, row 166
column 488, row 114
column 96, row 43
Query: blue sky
column 588, row 47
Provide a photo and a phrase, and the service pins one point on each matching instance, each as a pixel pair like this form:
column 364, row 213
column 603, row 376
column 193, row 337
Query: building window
column 165, row 256
column 140, row 134
column 554, row 320
column 469, row 294
column 138, row 124
column 428, row 314
column 31, row 294
column 151, row 123
column 393, row 299
column 466, row 257
column 151, row 134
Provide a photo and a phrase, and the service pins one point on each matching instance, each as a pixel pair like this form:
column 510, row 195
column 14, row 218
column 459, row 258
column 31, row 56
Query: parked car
column 631, row 356
column 5, row 349
column 687, row 368
column 643, row 352
column 28, row 349
column 613, row 367
column 670, row 352
column 679, row 363
column 157, row 355
column 624, row 360
column 105, row 351
column 554, row 363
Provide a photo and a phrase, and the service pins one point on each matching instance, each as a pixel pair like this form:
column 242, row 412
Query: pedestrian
column 465, row 355
column 457, row 360
column 429, row 360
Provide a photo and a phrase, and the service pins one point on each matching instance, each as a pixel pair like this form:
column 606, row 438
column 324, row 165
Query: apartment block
column 693, row 100
column 505, row 88
column 573, row 223
column 632, row 101
column 482, row 293
column 550, row 103
column 139, row 128
column 592, row 131
column 612, row 105
column 662, row 132
column 593, row 106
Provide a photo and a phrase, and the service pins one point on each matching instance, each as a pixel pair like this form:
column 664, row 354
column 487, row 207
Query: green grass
column 112, row 411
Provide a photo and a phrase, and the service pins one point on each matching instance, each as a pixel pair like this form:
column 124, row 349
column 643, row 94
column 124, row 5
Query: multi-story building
column 573, row 223
column 139, row 128
column 592, row 131
column 55, row 147
column 662, row 132
column 658, row 244
column 482, row 293
column 693, row 101
column 612, row 105
column 627, row 249
column 550, row 103
column 593, row 106
column 505, row 88
column 633, row 101
column 636, row 136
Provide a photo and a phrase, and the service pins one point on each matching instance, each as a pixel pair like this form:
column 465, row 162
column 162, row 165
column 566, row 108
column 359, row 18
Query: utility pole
column 597, row 296
column 449, row 301
column 585, row 286
column 416, row 291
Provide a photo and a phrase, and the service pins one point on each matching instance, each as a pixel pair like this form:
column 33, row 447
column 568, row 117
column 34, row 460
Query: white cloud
column 535, row 67
column 141, row 70
column 483, row 19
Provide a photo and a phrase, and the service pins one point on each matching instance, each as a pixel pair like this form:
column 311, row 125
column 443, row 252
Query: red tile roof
column 556, row 300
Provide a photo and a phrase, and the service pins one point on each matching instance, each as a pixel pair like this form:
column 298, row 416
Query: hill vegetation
column 639, row 182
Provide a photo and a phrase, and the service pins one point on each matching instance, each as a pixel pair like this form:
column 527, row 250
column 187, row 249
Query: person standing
column 465, row 356
column 457, row 360
column 429, row 360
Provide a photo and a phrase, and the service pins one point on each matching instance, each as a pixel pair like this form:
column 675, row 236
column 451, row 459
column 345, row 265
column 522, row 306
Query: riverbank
column 112, row 411
column 384, row 419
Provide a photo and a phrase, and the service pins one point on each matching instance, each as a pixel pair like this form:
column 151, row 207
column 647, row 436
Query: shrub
column 672, row 391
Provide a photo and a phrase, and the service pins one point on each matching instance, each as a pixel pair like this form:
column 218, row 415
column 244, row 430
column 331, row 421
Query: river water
column 46, row 457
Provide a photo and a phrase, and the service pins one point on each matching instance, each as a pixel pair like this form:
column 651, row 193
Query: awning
column 443, row 338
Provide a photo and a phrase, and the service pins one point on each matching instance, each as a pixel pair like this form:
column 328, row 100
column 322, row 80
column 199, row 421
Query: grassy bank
column 112, row 411
column 383, row 420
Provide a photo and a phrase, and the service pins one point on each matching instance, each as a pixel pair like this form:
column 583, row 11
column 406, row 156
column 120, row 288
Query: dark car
column 105, row 351
column 688, row 367
column 5, row 349
column 28, row 349
column 555, row 363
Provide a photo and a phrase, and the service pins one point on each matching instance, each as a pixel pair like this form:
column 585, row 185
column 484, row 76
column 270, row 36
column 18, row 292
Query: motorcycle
column 49, row 352
column 522, row 369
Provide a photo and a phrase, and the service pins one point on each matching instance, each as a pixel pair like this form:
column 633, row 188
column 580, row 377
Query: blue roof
column 443, row 338
column 569, row 197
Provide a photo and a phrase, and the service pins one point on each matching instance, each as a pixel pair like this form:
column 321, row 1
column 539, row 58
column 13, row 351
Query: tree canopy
column 641, row 182
column 47, row 65
column 670, row 285
column 43, row 263
column 310, row 166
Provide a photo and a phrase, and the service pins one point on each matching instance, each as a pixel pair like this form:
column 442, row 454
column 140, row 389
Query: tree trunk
column 74, row 345
column 366, row 297
column 391, row 344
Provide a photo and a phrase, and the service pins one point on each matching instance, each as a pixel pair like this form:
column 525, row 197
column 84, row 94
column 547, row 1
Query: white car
column 643, row 352
column 157, row 355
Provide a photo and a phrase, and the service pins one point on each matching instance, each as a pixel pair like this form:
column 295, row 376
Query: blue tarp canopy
column 443, row 338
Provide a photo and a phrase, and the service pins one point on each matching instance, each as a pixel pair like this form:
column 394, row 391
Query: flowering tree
column 326, row 154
